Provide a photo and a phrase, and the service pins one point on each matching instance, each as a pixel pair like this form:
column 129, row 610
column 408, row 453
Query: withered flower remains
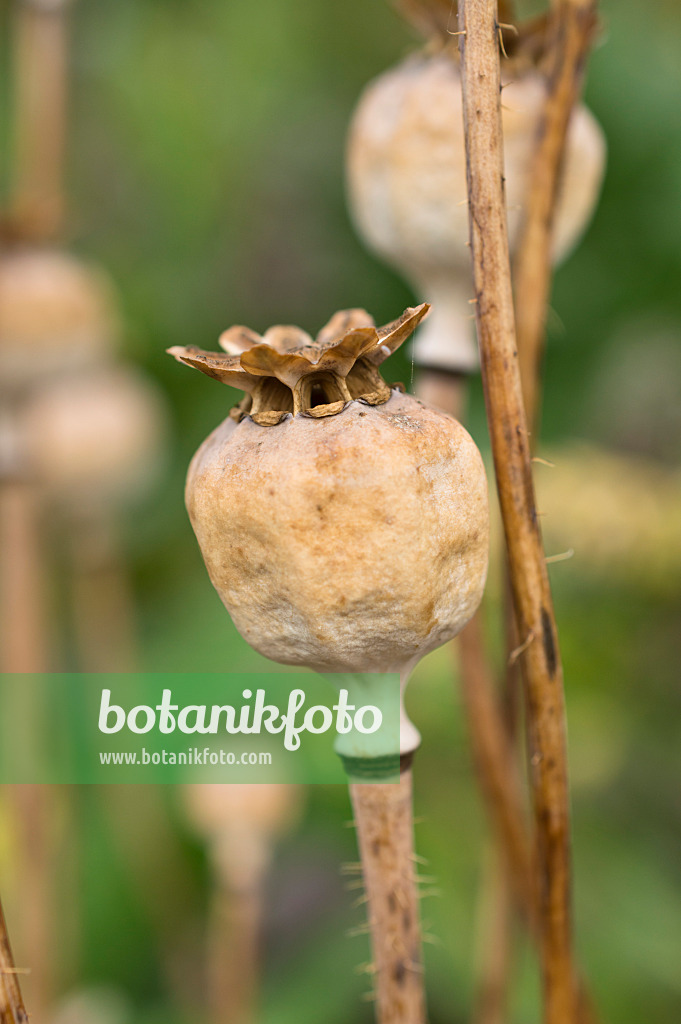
column 286, row 372
column 343, row 523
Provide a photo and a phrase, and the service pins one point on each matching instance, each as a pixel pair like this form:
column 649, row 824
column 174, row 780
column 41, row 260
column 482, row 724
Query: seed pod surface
column 351, row 535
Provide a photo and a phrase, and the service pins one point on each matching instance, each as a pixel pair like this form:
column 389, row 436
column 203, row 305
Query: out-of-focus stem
column 33, row 823
column 500, row 780
column 497, row 765
column 40, row 102
column 495, row 945
column 385, row 830
column 444, row 390
column 23, row 646
column 102, row 599
column 573, row 25
column 24, row 649
column 234, row 950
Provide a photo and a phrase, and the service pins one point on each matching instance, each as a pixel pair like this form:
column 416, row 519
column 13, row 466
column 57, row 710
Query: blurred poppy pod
column 242, row 822
column 56, row 314
column 343, row 523
column 406, row 173
column 95, row 439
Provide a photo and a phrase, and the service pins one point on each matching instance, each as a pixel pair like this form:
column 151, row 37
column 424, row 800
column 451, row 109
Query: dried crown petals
column 392, row 335
column 226, row 369
column 287, row 372
column 341, row 323
column 287, row 338
column 263, row 361
column 344, row 354
column 238, row 339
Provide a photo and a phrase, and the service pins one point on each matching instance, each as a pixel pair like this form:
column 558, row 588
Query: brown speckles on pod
column 355, row 541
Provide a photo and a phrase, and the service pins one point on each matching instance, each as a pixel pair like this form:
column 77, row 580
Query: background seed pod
column 56, row 313
column 96, row 438
column 406, row 175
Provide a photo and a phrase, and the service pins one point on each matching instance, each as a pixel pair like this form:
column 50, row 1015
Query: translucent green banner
column 202, row 727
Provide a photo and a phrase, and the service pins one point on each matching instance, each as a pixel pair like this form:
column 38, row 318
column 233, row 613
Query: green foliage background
column 206, row 173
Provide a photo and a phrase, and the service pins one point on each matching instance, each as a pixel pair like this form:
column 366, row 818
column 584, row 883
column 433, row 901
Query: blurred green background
column 206, row 174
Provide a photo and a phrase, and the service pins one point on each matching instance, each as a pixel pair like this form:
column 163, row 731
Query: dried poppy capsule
column 343, row 523
column 94, row 440
column 406, row 170
column 56, row 313
column 242, row 822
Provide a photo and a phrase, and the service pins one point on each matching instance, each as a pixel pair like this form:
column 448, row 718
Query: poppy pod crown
column 285, row 372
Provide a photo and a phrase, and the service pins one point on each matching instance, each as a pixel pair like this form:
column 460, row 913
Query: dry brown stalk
column 510, row 446
column 572, row 29
column 37, row 204
column 12, row 1009
column 573, row 26
column 384, row 819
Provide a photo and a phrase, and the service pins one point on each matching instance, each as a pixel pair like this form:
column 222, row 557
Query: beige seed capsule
column 56, row 314
column 94, row 439
column 343, row 523
column 406, row 174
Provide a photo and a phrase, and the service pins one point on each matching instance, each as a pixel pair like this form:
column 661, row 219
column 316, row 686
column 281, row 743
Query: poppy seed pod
column 406, row 172
column 95, row 438
column 343, row 523
column 242, row 822
column 56, row 313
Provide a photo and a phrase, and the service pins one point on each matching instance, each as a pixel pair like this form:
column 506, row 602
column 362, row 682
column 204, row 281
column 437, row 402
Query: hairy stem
column 541, row 664
column 384, row 820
